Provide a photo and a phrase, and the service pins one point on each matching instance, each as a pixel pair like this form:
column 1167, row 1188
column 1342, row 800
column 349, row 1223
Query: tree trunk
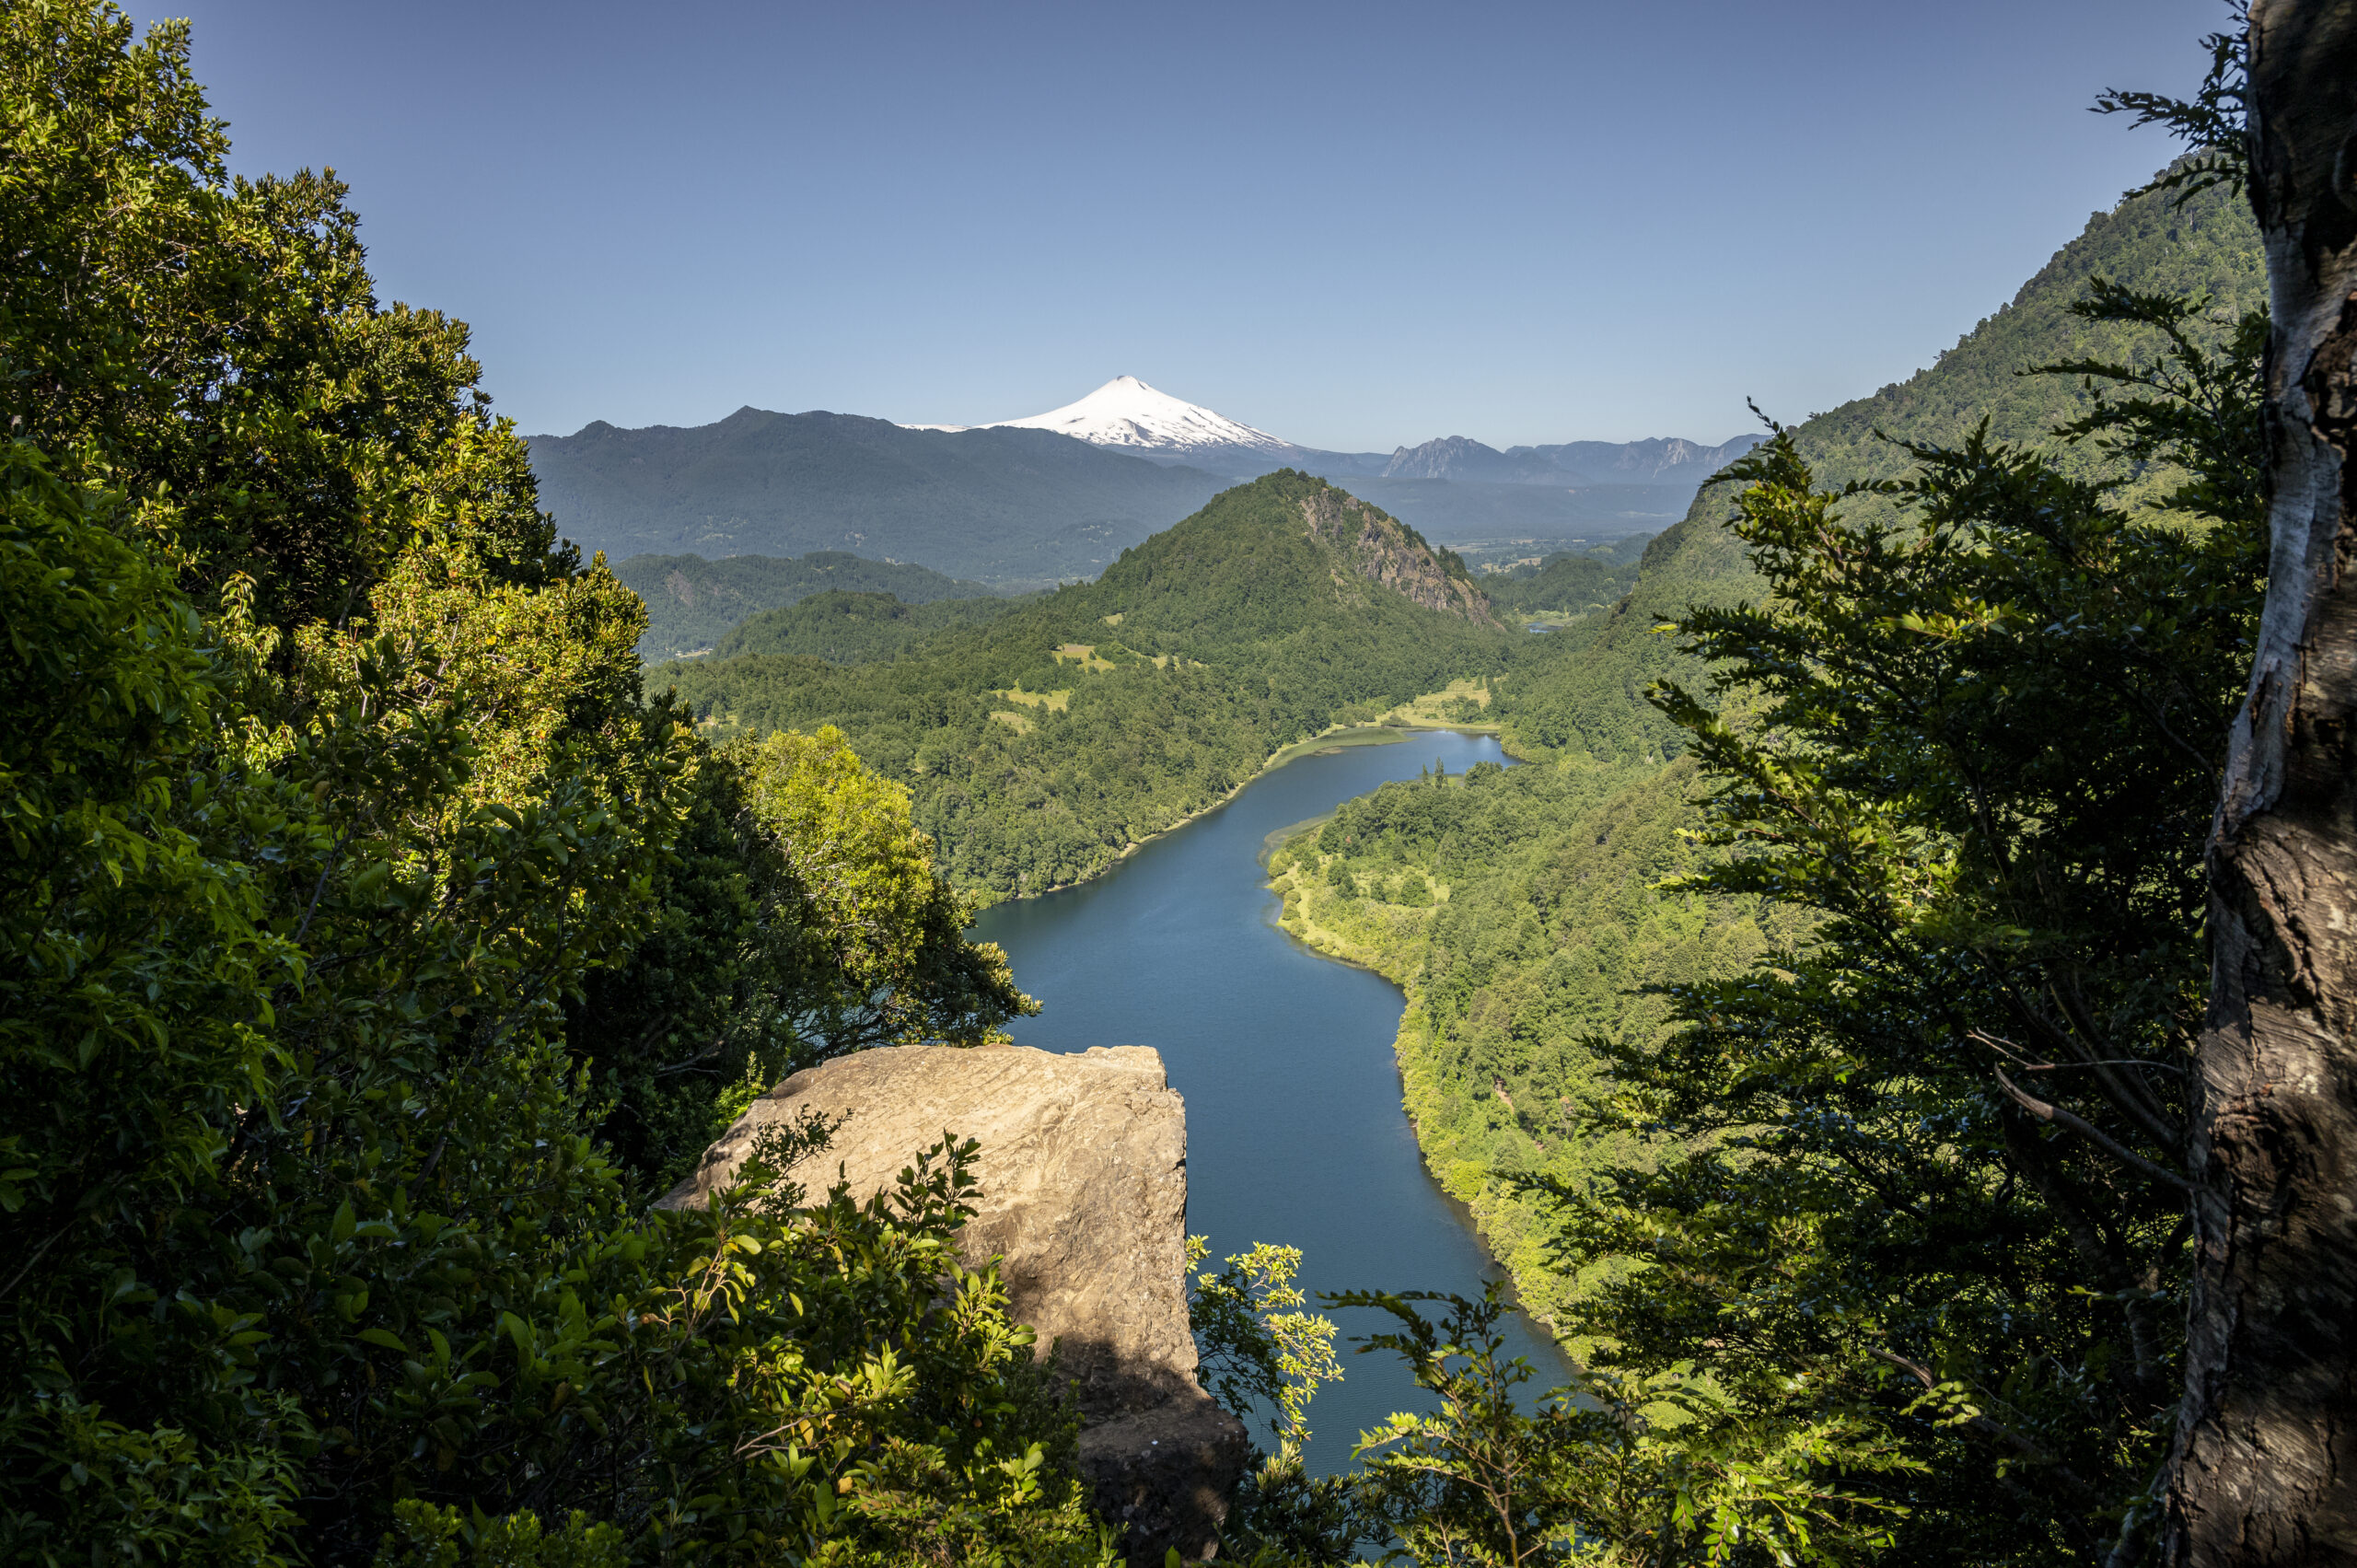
column 2264, row 1467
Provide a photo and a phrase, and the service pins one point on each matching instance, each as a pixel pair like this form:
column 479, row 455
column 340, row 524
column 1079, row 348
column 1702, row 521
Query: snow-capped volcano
column 1127, row 414
column 1125, row 411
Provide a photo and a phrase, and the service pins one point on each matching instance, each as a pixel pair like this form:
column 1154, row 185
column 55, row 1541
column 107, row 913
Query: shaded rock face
column 1083, row 1200
column 1381, row 549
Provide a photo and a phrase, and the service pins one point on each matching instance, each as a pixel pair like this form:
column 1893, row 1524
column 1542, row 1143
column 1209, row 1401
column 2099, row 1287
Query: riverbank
column 1418, row 713
column 1522, row 916
column 1387, row 940
column 1331, row 739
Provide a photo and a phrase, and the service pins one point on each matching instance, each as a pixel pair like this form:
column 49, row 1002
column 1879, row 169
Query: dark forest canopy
column 370, row 952
column 855, row 628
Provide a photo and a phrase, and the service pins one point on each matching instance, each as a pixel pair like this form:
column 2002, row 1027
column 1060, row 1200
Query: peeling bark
column 2264, row 1466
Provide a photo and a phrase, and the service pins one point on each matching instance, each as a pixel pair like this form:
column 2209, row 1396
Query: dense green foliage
column 1980, row 740
column 1588, row 694
column 1018, row 508
column 1041, row 745
column 338, row 845
column 1523, row 906
column 1567, row 583
column 797, row 916
column 854, row 628
column 1893, row 1139
column 692, row 603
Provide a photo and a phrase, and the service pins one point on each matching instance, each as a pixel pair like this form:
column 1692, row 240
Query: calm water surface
column 1294, row 1129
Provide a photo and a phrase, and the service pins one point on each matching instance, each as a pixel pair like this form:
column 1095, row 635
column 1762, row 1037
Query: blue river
column 1295, row 1130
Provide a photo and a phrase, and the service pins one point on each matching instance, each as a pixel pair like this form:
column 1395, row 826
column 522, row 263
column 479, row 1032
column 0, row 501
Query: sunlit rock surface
column 1083, row 1200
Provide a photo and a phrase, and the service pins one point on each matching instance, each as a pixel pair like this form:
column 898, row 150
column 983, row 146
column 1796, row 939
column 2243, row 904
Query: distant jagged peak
column 1645, row 461
column 1663, row 459
column 1458, row 457
column 1125, row 411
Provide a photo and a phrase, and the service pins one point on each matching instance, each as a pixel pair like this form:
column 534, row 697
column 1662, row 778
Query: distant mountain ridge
column 1010, row 506
column 1127, row 415
column 1462, row 458
column 1031, row 502
column 1663, row 461
column 1597, row 485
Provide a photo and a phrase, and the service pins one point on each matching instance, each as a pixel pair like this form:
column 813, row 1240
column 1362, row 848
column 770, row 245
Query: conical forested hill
column 1039, row 745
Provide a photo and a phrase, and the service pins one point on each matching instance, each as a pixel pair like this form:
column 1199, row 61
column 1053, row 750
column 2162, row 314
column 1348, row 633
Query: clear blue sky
column 1353, row 225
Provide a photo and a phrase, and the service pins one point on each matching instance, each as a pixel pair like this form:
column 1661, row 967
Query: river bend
column 1295, row 1128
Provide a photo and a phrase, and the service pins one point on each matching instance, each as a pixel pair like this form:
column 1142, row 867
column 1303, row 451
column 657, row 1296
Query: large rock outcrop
column 1376, row 546
column 1083, row 1200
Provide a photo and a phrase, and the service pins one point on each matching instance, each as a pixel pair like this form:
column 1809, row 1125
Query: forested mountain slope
column 855, row 628
column 1588, row 697
column 1041, row 745
column 1569, row 583
column 692, row 603
column 1546, row 915
column 2208, row 246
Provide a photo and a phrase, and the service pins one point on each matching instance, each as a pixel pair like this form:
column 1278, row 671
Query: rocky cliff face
column 1380, row 549
column 1084, row 1202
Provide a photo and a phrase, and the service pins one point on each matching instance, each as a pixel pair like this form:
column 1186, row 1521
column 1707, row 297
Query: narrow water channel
column 1294, row 1129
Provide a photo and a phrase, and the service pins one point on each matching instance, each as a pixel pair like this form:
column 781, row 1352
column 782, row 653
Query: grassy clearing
column 1334, row 741
column 1056, row 701
column 1114, row 619
column 1018, row 723
column 1454, row 706
column 1084, row 654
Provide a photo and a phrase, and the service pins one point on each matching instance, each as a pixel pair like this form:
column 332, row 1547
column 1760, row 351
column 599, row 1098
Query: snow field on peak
column 1125, row 411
